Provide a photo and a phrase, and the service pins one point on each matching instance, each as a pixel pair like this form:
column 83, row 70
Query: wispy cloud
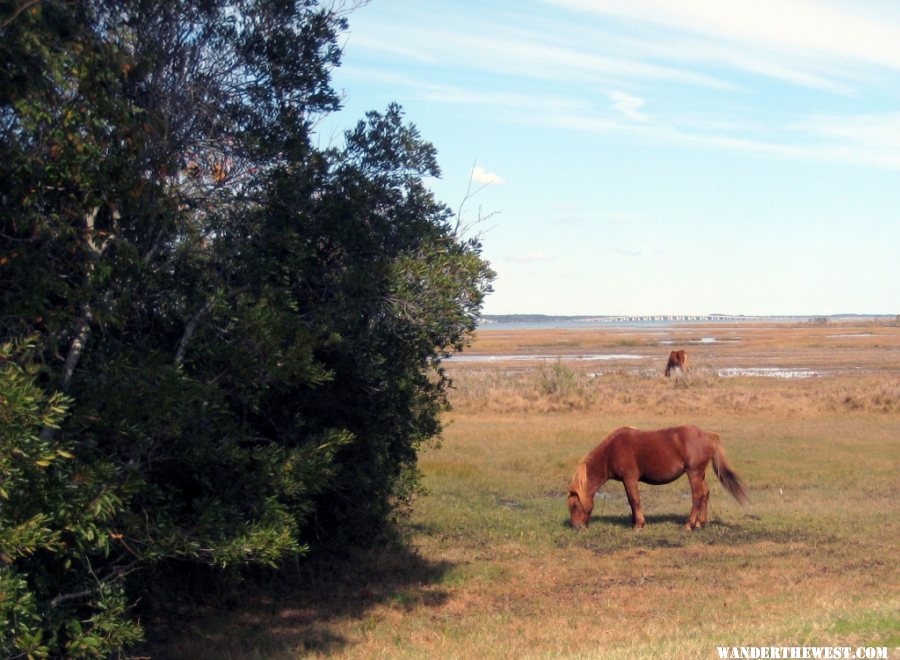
column 524, row 53
column 390, row 47
column 628, row 105
column 866, row 139
column 793, row 41
column 870, row 140
column 881, row 131
column 460, row 95
column 457, row 95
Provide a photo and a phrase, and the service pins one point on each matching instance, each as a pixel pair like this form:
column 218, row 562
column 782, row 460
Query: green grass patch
column 872, row 627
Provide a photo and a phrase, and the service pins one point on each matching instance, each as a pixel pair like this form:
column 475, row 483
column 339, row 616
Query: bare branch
column 461, row 228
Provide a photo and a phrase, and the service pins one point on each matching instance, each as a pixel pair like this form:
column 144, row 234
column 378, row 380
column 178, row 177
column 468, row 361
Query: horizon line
column 717, row 315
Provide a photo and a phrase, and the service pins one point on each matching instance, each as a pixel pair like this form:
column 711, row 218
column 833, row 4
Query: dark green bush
column 221, row 344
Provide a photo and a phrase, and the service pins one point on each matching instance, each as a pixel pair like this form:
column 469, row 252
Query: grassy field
column 493, row 570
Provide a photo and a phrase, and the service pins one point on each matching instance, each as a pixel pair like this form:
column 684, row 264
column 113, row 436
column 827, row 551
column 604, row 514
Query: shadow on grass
column 612, row 533
column 625, row 521
column 304, row 610
column 650, row 519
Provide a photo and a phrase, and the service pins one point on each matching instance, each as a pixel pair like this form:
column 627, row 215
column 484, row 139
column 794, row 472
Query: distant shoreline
column 543, row 319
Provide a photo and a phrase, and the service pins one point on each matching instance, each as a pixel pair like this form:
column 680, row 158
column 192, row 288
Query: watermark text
column 801, row 652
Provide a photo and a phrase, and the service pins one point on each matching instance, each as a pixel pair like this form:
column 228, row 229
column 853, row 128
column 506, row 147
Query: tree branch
column 78, row 345
column 190, row 329
column 83, row 327
column 76, row 595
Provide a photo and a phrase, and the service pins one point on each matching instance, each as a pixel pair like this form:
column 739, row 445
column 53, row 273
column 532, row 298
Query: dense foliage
column 220, row 344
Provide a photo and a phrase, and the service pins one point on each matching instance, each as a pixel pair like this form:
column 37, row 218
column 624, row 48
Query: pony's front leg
column 634, row 499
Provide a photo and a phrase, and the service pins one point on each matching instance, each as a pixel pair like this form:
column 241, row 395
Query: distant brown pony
column 677, row 360
column 654, row 457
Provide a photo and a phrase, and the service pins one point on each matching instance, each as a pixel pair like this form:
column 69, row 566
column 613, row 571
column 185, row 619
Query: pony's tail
column 726, row 475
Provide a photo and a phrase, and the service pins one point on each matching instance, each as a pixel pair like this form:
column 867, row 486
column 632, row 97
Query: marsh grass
column 560, row 388
column 492, row 569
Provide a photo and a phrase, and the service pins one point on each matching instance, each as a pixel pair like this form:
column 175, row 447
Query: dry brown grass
column 492, row 570
column 557, row 388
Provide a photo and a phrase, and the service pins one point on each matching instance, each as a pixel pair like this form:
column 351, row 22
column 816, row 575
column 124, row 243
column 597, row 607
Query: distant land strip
column 491, row 319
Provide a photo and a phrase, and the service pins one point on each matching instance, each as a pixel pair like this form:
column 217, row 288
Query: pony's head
column 579, row 515
column 580, row 502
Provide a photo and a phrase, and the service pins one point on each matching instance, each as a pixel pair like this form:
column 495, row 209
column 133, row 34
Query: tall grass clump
column 557, row 379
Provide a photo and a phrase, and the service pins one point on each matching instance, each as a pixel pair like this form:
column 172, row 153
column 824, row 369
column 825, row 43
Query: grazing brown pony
column 677, row 360
column 654, row 457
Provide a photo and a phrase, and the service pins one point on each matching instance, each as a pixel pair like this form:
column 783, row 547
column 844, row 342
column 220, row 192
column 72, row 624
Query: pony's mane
column 579, row 484
column 595, row 459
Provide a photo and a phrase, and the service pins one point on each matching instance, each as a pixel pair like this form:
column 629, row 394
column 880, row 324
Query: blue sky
column 654, row 156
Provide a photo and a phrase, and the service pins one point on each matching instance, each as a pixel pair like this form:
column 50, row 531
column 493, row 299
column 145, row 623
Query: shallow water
column 544, row 358
column 702, row 340
column 768, row 372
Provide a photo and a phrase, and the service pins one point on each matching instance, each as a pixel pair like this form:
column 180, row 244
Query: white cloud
column 628, row 105
column 867, row 140
column 869, row 130
column 530, row 58
column 528, row 54
column 817, row 44
column 485, row 178
column 762, row 35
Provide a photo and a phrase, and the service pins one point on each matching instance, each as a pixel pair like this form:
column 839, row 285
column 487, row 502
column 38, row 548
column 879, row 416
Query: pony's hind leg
column 699, row 496
column 634, row 499
column 703, row 519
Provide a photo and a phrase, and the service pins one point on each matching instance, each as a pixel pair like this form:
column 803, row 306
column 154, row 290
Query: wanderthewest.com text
column 804, row 652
